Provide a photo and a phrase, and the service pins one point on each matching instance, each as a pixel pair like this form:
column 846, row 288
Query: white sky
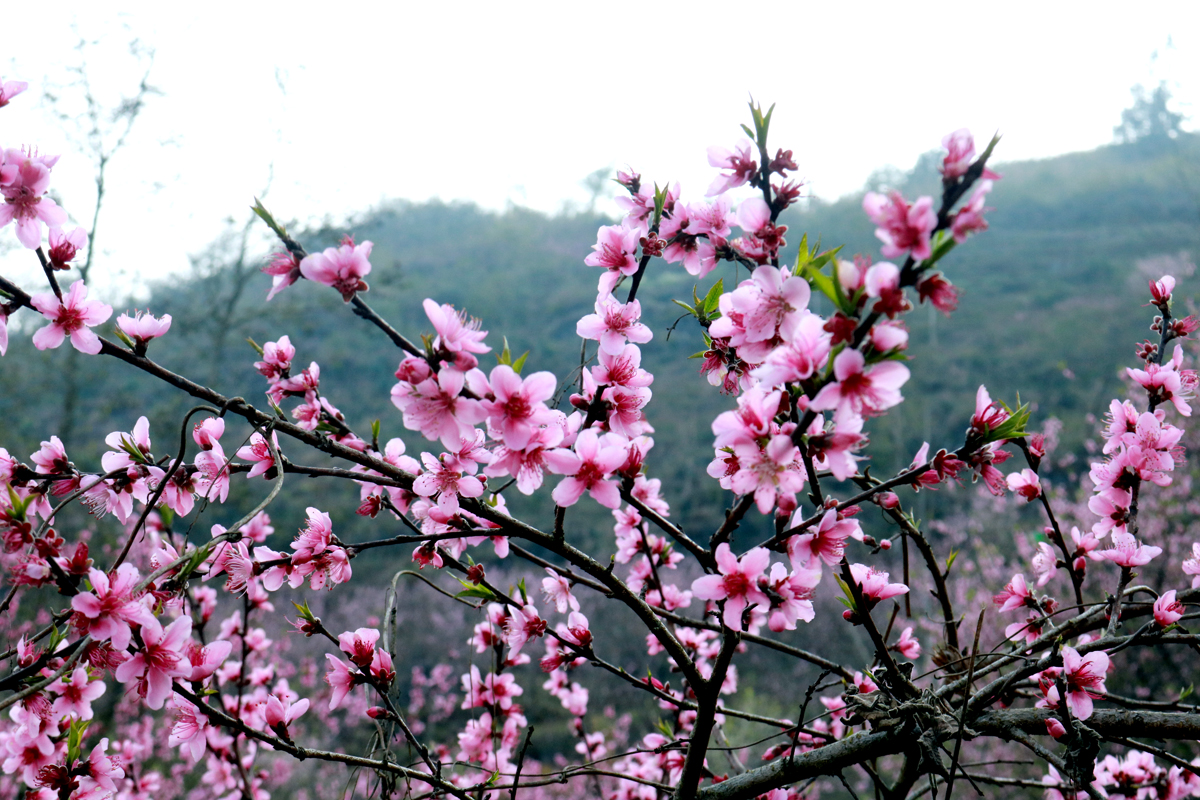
column 517, row 102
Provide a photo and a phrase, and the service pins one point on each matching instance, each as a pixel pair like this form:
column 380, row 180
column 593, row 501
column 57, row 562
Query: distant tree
column 1148, row 119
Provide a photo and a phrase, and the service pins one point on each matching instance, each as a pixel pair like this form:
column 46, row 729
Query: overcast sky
column 340, row 106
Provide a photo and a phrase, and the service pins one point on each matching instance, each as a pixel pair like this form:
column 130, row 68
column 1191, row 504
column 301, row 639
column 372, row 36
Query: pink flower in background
column 343, row 268
column 73, row 316
column 557, row 590
column 736, row 583
column 902, row 227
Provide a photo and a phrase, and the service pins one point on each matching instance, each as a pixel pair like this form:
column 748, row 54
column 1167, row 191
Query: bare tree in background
column 100, row 131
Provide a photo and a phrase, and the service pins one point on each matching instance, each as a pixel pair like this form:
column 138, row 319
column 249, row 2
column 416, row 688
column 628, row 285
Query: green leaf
column 304, row 611
column 520, row 362
column 950, row 559
column 124, row 337
column 375, row 431
column 259, row 209
column 690, row 309
column 1186, row 693
column 521, row 588
column 166, row 515
column 505, row 355
column 698, row 355
column 475, row 590
column 749, row 132
column 1014, row 426
column 665, row 729
column 254, row 344
column 74, row 738
column 713, row 298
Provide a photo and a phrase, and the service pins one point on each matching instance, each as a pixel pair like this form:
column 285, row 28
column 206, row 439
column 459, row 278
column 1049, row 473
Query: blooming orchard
column 791, row 447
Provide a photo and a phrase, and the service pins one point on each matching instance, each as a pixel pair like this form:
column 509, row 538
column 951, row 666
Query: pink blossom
column 281, row 713
column 773, row 473
column 1191, row 565
column 142, row 327
column 284, row 270
column 616, row 251
column 874, row 586
column 589, row 469
column 938, row 291
column 1045, row 563
column 1126, row 551
column 342, row 267
column 907, row 645
column 791, row 597
column 190, row 729
column 24, row 196
column 614, row 323
column 1026, row 484
column 73, row 316
column 739, row 164
column 736, row 582
column 109, row 608
column 557, row 590
column 64, row 246
column 969, row 218
column 826, row 543
column 446, row 482
column 75, row 694
column 524, row 624
column 860, row 390
column 456, row 332
column 1168, row 610
column 340, row 679
column 1084, row 677
column 1160, row 290
column 160, row 659
column 436, row 408
column 988, row 414
column 9, row 90
column 1164, row 382
column 519, row 409
column 359, row 646
column 960, row 147
column 260, row 453
column 902, row 227
column 3, row 330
